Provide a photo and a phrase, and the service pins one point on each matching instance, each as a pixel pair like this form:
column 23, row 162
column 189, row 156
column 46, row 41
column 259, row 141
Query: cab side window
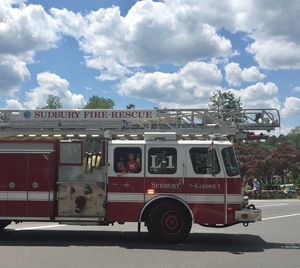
column 162, row 160
column 127, row 160
column 199, row 159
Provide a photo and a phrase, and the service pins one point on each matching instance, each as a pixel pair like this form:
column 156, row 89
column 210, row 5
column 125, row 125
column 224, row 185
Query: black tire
column 3, row 224
column 169, row 222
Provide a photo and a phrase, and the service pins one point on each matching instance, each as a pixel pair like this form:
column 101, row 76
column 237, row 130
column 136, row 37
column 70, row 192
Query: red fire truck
column 99, row 167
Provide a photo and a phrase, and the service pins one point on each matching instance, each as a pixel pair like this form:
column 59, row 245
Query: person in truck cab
column 121, row 167
column 132, row 165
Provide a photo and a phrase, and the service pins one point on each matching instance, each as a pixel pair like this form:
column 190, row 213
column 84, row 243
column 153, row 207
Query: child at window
column 121, row 167
column 132, row 165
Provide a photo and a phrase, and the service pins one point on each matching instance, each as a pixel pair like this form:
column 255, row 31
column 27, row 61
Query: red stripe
column 126, row 184
column 174, row 185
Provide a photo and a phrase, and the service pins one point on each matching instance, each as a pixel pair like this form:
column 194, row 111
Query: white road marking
column 39, row 227
column 272, row 205
column 283, row 216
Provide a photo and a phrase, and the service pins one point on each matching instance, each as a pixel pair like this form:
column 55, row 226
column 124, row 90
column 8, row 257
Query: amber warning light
column 150, row 191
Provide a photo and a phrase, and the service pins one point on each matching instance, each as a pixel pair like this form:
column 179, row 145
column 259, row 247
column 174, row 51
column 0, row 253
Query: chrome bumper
column 248, row 214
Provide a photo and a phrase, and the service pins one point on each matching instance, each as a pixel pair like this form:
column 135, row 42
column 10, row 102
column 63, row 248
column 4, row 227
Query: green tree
column 96, row 102
column 265, row 162
column 271, row 141
column 53, row 102
column 225, row 103
column 294, row 137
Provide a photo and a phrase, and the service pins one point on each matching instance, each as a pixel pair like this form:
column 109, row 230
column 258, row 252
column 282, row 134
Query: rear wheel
column 3, row 224
column 169, row 222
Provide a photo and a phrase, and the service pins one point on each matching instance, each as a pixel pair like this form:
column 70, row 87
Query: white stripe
column 78, row 219
column 38, row 196
column 17, row 196
column 124, row 197
column 213, row 198
column 234, row 198
column 283, row 216
column 274, row 205
column 26, row 196
column 3, row 196
column 189, row 198
column 181, row 196
column 195, row 198
column 40, row 227
column 26, row 218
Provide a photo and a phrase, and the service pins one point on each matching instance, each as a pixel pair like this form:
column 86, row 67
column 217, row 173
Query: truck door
column 125, row 182
column 205, row 185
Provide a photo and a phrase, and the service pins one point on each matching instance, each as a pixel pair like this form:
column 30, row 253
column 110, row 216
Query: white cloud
column 190, row 86
column 283, row 130
column 13, row 104
column 296, row 89
column 291, row 107
column 259, row 96
column 275, row 54
column 24, row 29
column 164, row 33
column 181, row 33
column 52, row 84
column 151, row 33
column 193, row 85
column 110, row 69
column 13, row 72
column 274, row 28
column 175, row 32
column 235, row 75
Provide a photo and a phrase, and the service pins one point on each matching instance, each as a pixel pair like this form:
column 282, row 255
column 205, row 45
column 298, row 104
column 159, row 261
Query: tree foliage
column 53, row 102
column 264, row 162
column 224, row 103
column 294, row 137
column 96, row 102
column 224, row 100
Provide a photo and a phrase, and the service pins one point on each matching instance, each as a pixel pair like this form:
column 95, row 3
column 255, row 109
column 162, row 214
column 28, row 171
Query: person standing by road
column 256, row 188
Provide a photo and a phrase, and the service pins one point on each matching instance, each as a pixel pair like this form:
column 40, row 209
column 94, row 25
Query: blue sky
column 172, row 53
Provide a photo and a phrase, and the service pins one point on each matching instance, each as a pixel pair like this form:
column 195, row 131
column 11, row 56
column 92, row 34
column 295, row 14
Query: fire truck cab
column 162, row 180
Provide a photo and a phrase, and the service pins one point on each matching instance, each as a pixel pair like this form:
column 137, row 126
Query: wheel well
column 152, row 203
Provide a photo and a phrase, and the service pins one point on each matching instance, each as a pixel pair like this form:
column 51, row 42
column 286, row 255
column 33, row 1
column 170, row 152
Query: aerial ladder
column 234, row 124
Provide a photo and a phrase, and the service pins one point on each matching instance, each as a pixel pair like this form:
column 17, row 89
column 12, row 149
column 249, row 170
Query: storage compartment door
column 39, row 188
column 16, row 165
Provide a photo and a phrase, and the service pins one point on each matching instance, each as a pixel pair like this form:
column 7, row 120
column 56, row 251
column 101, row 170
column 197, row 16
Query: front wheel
column 169, row 222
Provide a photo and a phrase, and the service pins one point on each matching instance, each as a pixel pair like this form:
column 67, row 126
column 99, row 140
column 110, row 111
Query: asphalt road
column 273, row 242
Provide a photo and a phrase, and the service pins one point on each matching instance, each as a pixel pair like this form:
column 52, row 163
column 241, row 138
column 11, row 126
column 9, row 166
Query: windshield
column 230, row 162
